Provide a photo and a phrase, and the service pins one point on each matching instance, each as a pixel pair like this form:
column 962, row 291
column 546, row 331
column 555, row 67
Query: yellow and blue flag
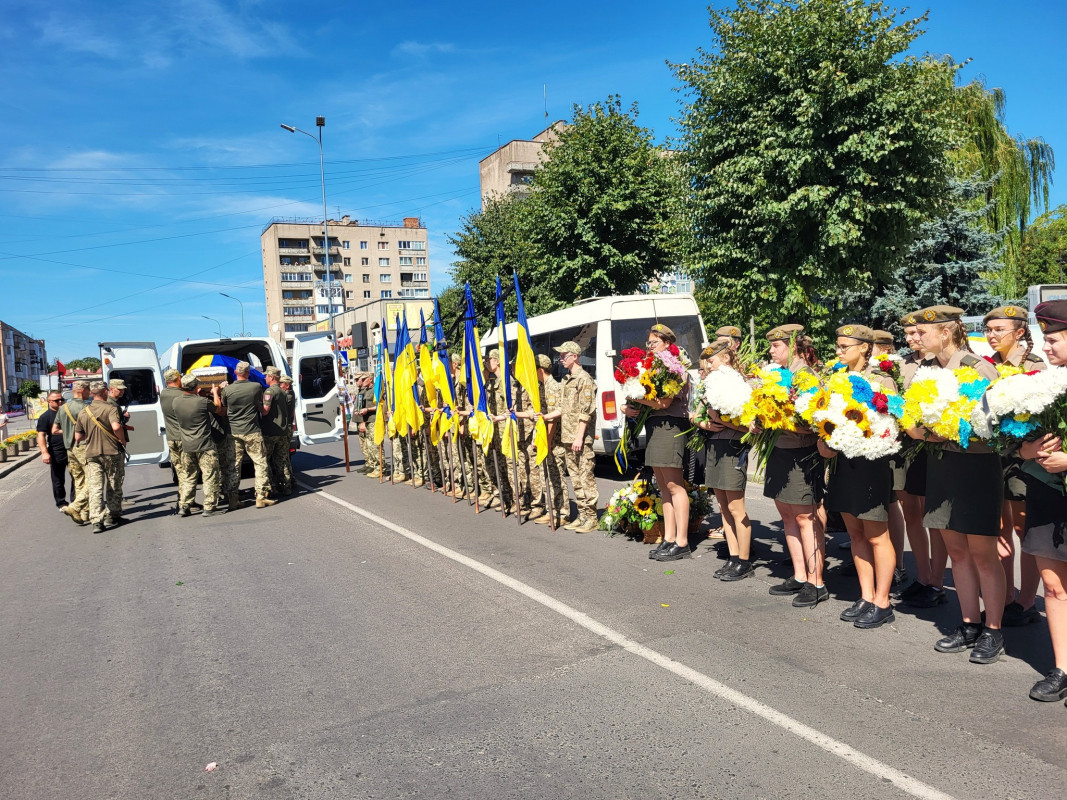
column 526, row 373
column 481, row 427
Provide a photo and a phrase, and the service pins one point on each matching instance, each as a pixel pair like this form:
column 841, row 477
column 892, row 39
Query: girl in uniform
column 794, row 480
column 726, row 464
column 1007, row 332
column 885, row 346
column 927, row 548
column 861, row 490
column 1046, row 513
column 665, row 453
column 964, row 491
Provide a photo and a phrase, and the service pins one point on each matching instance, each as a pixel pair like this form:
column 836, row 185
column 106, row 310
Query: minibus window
column 316, row 376
column 140, row 385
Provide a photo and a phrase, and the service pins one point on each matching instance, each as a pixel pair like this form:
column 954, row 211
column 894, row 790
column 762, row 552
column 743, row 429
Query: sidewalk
column 15, row 425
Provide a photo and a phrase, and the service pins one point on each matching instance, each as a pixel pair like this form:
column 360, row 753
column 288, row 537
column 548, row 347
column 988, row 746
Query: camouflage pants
column 281, row 475
column 231, row 477
column 102, row 476
column 206, row 463
column 252, row 443
column 401, row 461
column 76, row 465
column 580, row 466
column 495, row 474
column 537, row 482
column 175, row 447
column 521, row 465
column 369, row 448
column 463, row 462
column 427, row 459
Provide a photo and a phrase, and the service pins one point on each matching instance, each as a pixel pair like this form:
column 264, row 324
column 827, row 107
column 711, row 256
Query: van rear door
column 136, row 364
column 318, row 407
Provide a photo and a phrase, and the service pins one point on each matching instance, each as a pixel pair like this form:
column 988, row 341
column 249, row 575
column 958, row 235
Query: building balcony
column 292, row 251
column 321, row 251
column 415, row 284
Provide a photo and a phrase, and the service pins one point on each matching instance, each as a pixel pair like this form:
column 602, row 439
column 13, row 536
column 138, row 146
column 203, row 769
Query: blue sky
column 141, row 153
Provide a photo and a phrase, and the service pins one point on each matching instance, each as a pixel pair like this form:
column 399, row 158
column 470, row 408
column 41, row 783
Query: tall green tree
column 814, row 147
column 1043, row 254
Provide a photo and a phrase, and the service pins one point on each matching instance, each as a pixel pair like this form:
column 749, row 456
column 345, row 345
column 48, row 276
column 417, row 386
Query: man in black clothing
column 53, row 453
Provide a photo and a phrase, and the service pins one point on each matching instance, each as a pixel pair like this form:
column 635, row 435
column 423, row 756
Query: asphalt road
column 366, row 641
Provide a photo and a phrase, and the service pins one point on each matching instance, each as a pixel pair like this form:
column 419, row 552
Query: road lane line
column 902, row 781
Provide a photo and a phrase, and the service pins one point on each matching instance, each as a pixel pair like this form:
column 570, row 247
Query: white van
column 604, row 327
column 318, row 412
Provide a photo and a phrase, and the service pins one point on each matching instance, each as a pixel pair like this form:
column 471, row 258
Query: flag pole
column 515, row 470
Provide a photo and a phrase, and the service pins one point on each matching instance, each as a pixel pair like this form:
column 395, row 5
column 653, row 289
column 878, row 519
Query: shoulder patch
column 1034, row 358
column 969, row 360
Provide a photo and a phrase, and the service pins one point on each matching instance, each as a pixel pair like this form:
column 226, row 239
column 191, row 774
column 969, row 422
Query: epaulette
column 1033, row 357
column 969, row 360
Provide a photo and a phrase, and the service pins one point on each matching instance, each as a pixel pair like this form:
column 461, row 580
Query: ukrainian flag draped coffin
column 230, row 363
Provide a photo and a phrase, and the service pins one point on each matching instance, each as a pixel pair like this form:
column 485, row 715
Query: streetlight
column 216, row 322
column 320, row 123
column 243, row 331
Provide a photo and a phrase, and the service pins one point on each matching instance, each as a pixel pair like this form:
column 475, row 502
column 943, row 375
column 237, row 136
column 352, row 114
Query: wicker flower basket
column 654, row 535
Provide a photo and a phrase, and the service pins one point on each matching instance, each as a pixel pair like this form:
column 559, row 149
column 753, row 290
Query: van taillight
column 610, row 412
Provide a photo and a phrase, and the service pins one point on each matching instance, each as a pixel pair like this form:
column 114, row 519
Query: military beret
column 1007, row 312
column 910, row 319
column 97, row 386
column 861, row 333
column 939, row 314
column 285, row 379
column 543, row 361
column 729, row 330
column 714, row 348
column 242, row 367
column 662, row 330
column 171, row 375
column 1052, row 316
column 884, row 337
column 784, row 332
column 190, row 381
column 272, row 371
column 569, row 347
column 116, row 383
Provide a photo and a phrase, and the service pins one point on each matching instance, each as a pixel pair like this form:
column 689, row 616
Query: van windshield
column 627, row 333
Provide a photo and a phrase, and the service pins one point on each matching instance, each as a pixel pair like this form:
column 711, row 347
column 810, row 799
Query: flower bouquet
column 853, row 416
column 649, row 376
column 726, row 392
column 772, row 408
column 634, row 507
column 889, row 364
column 699, row 505
column 943, row 401
column 1019, row 406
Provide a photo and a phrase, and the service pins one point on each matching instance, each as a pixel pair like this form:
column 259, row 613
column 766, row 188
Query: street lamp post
column 243, row 331
column 216, row 322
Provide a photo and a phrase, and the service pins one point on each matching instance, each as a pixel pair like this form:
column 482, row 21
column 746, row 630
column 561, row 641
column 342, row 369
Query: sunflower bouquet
column 854, row 416
column 645, row 375
column 635, row 506
column 943, row 401
column 772, row 408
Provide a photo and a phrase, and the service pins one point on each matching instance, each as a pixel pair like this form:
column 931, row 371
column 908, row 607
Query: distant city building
column 369, row 260
column 508, row 169
column 21, row 358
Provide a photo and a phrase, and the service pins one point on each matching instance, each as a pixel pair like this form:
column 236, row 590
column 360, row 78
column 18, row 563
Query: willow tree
column 1018, row 168
column 816, row 147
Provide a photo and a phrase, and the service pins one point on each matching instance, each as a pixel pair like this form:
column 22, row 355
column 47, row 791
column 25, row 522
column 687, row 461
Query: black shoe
column 1015, row 616
column 875, row 617
column 1051, row 688
column 184, row 511
column 927, row 597
column 114, row 522
column 911, row 590
column 809, row 596
column 900, row 579
column 988, row 647
column 729, row 565
column 739, row 571
column 963, row 638
column 99, row 527
column 674, row 552
column 855, row 611
column 659, row 548
column 789, row 586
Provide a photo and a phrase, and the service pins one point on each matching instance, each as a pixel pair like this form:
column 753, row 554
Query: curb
column 10, row 467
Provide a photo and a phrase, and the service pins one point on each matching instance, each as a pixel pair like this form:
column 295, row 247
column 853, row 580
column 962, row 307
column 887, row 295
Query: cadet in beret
column 964, row 492
column 883, row 343
column 861, row 490
column 794, row 480
column 1008, row 333
column 1046, row 509
column 730, row 334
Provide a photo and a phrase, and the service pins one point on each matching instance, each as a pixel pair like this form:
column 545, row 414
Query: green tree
column 814, row 149
column 90, row 363
column 28, row 388
column 1019, row 171
column 1043, row 254
column 604, row 206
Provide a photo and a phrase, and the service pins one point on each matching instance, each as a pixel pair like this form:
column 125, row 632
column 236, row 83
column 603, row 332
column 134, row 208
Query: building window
column 363, row 262
column 405, row 261
column 348, row 293
column 293, row 244
column 366, row 294
column 362, row 245
column 419, row 276
column 348, row 261
column 411, row 245
column 348, row 277
column 366, row 277
column 297, row 311
column 383, row 262
column 420, row 261
column 385, row 277
column 346, row 245
column 383, row 245
column 387, row 293
column 296, row 277
column 297, row 327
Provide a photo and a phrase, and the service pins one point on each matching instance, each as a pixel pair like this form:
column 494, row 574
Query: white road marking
column 906, row 783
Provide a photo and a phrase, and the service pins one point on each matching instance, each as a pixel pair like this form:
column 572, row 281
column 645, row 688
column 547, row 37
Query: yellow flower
column 825, row 429
column 644, row 506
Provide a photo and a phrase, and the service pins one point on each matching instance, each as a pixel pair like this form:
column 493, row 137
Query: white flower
column 726, row 391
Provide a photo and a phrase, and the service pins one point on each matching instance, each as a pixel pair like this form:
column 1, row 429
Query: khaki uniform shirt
column 67, row 423
column 193, row 414
column 242, row 401
column 99, row 442
column 553, row 401
column 578, row 404
column 1032, row 362
column 274, row 424
column 166, row 402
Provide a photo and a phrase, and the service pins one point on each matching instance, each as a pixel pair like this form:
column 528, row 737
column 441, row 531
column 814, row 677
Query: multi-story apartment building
column 369, row 260
column 508, row 169
column 21, row 358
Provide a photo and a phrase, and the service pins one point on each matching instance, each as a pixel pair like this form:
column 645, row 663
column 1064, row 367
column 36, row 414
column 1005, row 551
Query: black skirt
column 727, row 464
column 860, row 487
column 1014, row 485
column 915, row 475
column 1046, row 521
column 795, row 475
column 665, row 446
column 964, row 493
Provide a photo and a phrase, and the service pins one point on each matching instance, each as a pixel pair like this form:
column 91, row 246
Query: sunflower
column 644, row 506
column 825, row 429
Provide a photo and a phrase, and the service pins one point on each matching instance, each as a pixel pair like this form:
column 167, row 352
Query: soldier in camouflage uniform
column 276, row 436
column 99, row 429
column 195, row 416
column 577, row 423
column 462, row 454
column 78, row 508
column 520, row 465
column 366, row 407
column 243, row 404
column 494, row 465
column 286, row 383
column 172, row 390
column 116, row 390
column 429, row 460
column 550, row 400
